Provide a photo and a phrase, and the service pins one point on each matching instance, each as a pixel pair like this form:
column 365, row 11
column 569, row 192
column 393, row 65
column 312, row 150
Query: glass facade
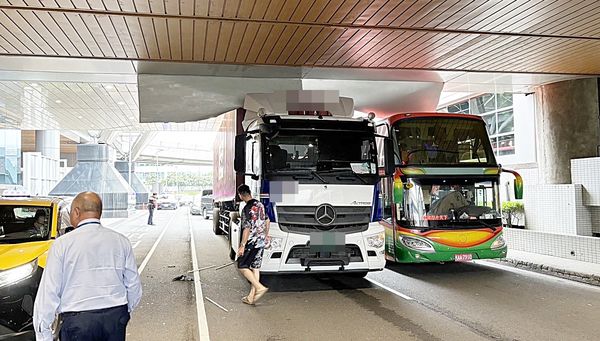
column 497, row 112
column 10, row 157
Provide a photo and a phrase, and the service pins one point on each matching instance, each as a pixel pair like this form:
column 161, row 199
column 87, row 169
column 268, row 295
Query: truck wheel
column 204, row 213
column 216, row 229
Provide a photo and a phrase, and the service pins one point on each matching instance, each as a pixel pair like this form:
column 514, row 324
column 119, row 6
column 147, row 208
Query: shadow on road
column 446, row 271
column 299, row 283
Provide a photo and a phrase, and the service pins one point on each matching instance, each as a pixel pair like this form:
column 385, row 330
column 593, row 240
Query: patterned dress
column 254, row 218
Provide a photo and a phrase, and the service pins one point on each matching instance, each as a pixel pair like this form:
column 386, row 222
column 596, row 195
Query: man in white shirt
column 90, row 279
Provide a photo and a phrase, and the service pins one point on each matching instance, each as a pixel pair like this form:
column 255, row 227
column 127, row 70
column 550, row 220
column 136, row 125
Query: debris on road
column 184, row 278
column 217, row 304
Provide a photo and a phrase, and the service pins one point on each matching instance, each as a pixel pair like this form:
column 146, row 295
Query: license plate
column 463, row 257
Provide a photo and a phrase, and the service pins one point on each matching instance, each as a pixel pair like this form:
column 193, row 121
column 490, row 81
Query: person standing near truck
column 152, row 201
column 254, row 238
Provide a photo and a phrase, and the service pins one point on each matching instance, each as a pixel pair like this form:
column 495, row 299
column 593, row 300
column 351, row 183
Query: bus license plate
column 463, row 257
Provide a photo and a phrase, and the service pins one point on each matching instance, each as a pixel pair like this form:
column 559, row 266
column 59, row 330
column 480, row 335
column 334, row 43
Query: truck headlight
column 376, row 241
column 416, row 244
column 14, row 275
column 498, row 243
column 276, row 243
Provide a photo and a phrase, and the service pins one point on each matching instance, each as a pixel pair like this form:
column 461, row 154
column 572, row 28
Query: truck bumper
column 361, row 256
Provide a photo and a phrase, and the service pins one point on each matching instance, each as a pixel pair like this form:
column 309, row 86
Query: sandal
column 247, row 301
column 260, row 293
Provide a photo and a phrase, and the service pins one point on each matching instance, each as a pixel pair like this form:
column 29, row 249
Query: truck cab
column 316, row 174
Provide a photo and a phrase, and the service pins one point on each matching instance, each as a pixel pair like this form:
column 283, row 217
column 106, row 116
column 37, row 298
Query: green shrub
column 513, row 207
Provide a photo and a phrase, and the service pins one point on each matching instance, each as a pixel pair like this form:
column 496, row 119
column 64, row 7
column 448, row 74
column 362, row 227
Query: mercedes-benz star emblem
column 325, row 214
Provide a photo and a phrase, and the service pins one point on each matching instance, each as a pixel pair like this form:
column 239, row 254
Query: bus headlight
column 276, row 243
column 376, row 241
column 416, row 244
column 14, row 275
column 498, row 243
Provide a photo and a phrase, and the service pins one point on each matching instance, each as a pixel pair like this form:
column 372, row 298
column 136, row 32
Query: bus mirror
column 518, row 184
column 389, row 157
column 239, row 163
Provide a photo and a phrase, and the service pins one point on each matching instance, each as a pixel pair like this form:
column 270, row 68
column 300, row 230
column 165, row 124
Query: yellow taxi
column 28, row 226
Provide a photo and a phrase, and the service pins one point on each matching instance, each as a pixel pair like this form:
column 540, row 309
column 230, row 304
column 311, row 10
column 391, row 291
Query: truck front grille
column 299, row 252
column 301, row 219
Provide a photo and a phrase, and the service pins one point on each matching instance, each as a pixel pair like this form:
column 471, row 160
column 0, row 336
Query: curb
column 549, row 270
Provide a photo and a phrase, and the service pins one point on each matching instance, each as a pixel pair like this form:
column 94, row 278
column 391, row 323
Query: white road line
column 149, row 255
column 397, row 293
column 136, row 244
column 200, row 309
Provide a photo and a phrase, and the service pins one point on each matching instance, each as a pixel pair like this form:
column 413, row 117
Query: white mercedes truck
column 314, row 168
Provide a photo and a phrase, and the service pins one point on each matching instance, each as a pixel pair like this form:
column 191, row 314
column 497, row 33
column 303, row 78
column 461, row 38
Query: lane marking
column 200, row 309
column 397, row 293
column 136, row 244
column 149, row 255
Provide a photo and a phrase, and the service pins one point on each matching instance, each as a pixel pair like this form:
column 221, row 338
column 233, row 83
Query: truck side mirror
column 239, row 163
column 389, row 160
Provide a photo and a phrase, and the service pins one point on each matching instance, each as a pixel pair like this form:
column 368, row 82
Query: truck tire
column 205, row 213
column 216, row 221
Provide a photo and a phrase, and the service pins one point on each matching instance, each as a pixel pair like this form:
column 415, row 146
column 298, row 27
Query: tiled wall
column 595, row 211
column 586, row 249
column 587, row 172
column 557, row 209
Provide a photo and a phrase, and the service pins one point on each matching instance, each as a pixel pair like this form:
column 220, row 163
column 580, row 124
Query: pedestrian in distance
column 90, row 279
column 152, row 202
column 255, row 226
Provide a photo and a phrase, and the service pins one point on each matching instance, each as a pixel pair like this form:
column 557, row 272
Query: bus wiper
column 430, row 150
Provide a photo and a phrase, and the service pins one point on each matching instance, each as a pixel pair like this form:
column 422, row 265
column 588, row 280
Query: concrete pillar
column 47, row 142
column 567, row 127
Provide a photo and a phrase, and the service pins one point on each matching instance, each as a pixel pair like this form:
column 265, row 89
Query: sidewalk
column 560, row 267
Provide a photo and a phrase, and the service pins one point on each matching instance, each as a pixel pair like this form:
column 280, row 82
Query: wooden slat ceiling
column 474, row 35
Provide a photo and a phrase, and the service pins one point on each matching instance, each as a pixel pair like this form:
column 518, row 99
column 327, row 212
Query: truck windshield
column 323, row 152
column 443, row 141
column 460, row 203
column 24, row 223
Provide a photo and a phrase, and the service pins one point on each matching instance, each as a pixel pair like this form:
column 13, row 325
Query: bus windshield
column 443, row 141
column 457, row 203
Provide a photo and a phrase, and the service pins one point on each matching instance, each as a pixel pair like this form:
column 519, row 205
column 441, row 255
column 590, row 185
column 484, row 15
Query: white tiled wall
column 595, row 211
column 587, row 172
column 586, row 249
column 557, row 209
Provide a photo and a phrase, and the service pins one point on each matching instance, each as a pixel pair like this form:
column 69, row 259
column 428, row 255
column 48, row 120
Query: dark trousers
column 150, row 216
column 95, row 325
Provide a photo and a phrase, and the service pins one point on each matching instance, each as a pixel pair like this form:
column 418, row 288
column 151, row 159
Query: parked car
column 28, row 227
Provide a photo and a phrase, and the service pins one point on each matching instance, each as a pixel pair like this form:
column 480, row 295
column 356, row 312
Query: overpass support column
column 568, row 127
column 47, row 142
